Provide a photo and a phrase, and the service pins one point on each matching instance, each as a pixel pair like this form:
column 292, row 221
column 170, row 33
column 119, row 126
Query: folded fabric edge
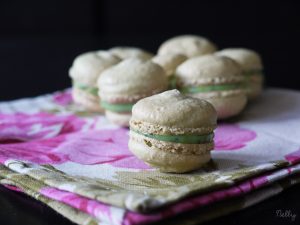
column 224, row 208
column 180, row 207
column 136, row 201
column 190, row 218
column 239, row 190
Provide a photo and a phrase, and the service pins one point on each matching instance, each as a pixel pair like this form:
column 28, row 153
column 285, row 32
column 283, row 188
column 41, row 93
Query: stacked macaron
column 251, row 65
column 125, row 52
column 85, row 72
column 188, row 45
column 122, row 85
column 217, row 79
column 169, row 62
column 172, row 132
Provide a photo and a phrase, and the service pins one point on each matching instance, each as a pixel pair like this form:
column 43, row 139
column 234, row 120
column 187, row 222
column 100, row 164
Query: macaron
column 125, row 52
column 172, row 132
column 85, row 72
column 218, row 79
column 252, row 68
column 189, row 45
column 122, row 85
column 169, row 62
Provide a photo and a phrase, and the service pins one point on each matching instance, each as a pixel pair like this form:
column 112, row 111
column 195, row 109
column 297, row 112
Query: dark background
column 39, row 39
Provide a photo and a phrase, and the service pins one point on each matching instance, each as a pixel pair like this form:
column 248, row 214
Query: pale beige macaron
column 252, row 68
column 218, row 79
column 189, row 45
column 172, row 132
column 85, row 72
column 121, row 86
column 125, row 52
column 169, row 62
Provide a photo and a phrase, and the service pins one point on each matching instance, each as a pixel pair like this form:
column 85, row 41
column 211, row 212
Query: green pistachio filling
column 84, row 87
column 183, row 139
column 220, row 87
column 117, row 107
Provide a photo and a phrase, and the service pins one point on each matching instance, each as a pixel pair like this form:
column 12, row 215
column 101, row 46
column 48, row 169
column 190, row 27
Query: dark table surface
column 16, row 208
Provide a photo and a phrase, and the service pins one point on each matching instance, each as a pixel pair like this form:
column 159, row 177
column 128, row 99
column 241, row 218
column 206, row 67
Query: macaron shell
column 189, row 45
column 89, row 101
column 167, row 161
column 226, row 106
column 124, row 52
column 169, row 62
column 172, row 109
column 254, row 86
column 208, row 69
column 132, row 77
column 87, row 67
column 246, row 58
column 121, row 119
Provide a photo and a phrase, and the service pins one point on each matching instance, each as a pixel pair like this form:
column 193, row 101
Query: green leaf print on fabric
column 140, row 190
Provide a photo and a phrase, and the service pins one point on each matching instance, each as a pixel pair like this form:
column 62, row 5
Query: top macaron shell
column 248, row 59
column 131, row 80
column 87, row 67
column 169, row 62
column 124, row 52
column 171, row 109
column 209, row 69
column 189, row 45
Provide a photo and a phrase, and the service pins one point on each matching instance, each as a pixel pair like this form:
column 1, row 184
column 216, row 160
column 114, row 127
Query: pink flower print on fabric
column 293, row 157
column 102, row 146
column 34, row 137
column 55, row 139
column 13, row 188
column 38, row 151
column 26, row 127
column 232, row 137
column 86, row 205
column 63, row 98
column 91, row 147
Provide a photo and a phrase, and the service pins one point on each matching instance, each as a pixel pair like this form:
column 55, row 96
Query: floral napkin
column 79, row 164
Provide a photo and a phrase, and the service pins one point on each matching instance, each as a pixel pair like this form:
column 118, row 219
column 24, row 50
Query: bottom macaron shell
column 166, row 160
column 121, row 119
column 254, row 90
column 226, row 106
column 254, row 86
column 89, row 101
